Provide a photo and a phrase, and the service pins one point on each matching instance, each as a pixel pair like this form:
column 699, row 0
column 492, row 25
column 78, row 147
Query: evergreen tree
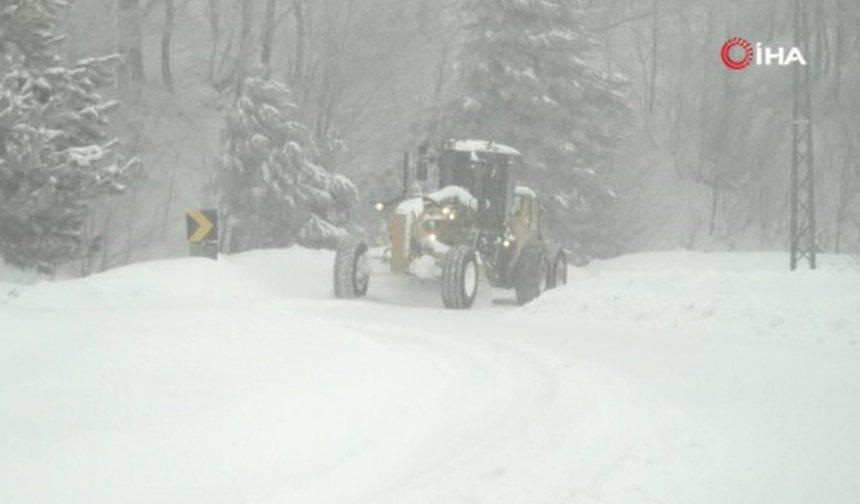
column 274, row 189
column 56, row 158
column 27, row 29
column 525, row 79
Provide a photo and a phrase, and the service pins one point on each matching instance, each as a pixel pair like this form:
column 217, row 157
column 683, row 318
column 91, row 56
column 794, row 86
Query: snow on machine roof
column 525, row 191
column 481, row 146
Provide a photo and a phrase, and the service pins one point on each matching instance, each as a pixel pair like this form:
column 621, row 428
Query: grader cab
column 472, row 219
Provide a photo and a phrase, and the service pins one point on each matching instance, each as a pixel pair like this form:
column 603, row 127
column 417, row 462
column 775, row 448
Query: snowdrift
column 733, row 294
column 248, row 278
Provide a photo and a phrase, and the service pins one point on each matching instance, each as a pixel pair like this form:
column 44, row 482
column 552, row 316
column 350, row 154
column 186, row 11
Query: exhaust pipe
column 405, row 174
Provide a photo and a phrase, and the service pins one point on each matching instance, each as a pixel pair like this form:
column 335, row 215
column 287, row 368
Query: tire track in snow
column 538, row 427
column 475, row 407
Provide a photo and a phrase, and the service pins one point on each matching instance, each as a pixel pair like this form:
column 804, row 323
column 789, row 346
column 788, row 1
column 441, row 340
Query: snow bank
column 294, row 273
column 251, row 277
column 12, row 278
column 13, row 281
column 187, row 404
column 739, row 294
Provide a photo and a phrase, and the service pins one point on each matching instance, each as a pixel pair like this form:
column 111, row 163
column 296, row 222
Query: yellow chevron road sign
column 202, row 225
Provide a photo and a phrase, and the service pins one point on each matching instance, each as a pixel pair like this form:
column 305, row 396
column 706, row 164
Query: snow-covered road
column 663, row 378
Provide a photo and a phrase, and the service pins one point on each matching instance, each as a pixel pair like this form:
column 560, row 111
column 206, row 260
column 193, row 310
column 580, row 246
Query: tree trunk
column 131, row 71
column 268, row 35
column 166, row 38
column 816, row 37
column 244, row 44
column 839, row 50
column 652, row 91
column 842, row 204
column 715, row 204
column 215, row 29
column 849, row 178
column 301, row 44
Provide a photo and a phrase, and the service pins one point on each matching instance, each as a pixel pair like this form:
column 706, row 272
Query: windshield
column 487, row 176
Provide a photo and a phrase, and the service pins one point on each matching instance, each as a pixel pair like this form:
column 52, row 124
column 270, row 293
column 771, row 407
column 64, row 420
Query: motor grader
column 471, row 221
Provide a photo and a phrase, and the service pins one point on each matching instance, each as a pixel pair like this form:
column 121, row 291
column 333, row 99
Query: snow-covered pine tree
column 274, row 190
column 525, row 78
column 28, row 30
column 56, row 158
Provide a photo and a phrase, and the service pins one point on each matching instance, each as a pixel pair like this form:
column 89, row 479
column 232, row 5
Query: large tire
column 459, row 278
column 558, row 270
column 532, row 272
column 351, row 271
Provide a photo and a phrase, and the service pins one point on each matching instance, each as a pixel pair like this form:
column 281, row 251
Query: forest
column 291, row 117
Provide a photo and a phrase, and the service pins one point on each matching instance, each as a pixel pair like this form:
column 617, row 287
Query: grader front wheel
column 351, row 269
column 459, row 278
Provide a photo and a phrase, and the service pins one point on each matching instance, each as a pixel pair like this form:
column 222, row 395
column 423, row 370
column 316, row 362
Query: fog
column 651, row 144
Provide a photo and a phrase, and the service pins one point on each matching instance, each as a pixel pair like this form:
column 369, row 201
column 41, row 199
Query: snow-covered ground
column 654, row 378
column 733, row 295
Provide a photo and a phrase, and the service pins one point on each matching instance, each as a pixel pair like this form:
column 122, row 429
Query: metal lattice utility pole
column 803, row 246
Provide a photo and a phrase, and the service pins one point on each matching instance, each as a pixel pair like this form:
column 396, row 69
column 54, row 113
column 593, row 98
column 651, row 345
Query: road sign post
column 202, row 228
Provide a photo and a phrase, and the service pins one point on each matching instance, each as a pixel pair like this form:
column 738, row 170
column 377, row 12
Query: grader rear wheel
column 532, row 272
column 558, row 271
